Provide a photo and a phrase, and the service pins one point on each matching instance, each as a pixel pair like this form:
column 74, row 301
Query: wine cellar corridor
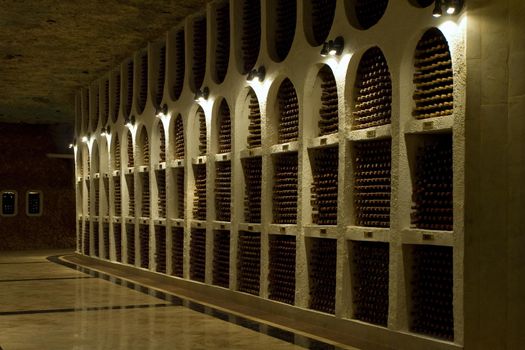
column 305, row 157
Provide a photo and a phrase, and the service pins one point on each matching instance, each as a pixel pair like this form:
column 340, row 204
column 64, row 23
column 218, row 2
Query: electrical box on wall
column 34, row 203
column 9, row 203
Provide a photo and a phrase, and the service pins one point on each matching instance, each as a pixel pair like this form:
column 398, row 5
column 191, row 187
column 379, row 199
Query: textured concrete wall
column 495, row 194
column 25, row 166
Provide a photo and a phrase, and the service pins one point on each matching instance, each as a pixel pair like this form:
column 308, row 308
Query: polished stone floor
column 44, row 305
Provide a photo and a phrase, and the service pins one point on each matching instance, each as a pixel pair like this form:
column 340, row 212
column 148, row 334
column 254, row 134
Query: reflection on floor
column 45, row 305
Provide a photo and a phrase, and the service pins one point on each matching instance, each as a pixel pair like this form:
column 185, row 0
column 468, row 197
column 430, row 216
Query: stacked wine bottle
column 160, row 79
column 88, row 191
column 222, row 48
column 254, row 129
column 116, row 154
column 105, row 105
column 177, row 251
column 162, row 143
column 131, row 195
column 198, row 254
column 221, row 258
column 116, row 97
column 323, row 12
column 281, row 277
column 203, row 138
column 143, row 82
column 178, row 82
column 225, row 129
column 288, row 113
column 179, row 178
column 370, row 282
column 285, row 189
column 160, row 249
column 251, row 33
column 179, row 138
column 87, row 238
column 369, row 12
column 322, row 267
column 199, row 51
column 95, row 112
column 252, row 197
column 328, row 113
column 433, row 209
column 144, row 246
column 79, row 236
column 285, row 17
column 161, row 192
column 372, row 168
column 249, row 262
column 117, row 191
column 117, row 235
column 433, row 78
column 373, row 105
column 199, row 201
column 129, row 81
column 130, row 240
column 145, row 147
column 105, row 240
column 105, row 183
column 145, row 195
column 96, row 189
column 432, row 291
column 325, row 186
column 223, row 191
column 131, row 162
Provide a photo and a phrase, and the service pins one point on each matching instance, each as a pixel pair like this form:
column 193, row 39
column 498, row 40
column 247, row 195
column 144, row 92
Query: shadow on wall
column 25, row 166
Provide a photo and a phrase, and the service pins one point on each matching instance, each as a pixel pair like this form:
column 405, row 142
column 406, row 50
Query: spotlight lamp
column 202, row 95
column 162, row 111
column 257, row 73
column 105, row 131
column 452, row 7
column 130, row 121
column 71, row 145
column 333, row 47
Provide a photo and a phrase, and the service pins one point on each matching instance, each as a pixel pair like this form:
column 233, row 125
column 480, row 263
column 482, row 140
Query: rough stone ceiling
column 51, row 48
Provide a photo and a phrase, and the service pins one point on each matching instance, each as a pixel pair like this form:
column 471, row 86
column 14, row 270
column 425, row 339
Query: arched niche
column 94, row 110
column 142, row 83
column 104, row 101
column 318, row 18
column 143, row 149
column 222, row 130
column 364, row 14
column 248, row 31
column 159, row 67
column 177, row 137
column 95, row 158
column 322, row 108
column 127, row 86
column 433, row 77
column 199, row 39
column 129, row 149
column 176, row 63
column 115, row 153
column 248, row 127
column 283, row 126
column 84, row 102
column 282, row 18
column 160, row 139
column 115, row 95
column 222, row 41
column 372, row 93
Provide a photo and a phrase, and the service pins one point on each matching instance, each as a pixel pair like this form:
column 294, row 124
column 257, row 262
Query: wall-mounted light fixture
column 333, row 47
column 162, row 111
column 85, row 138
column 130, row 121
column 257, row 73
column 452, row 7
column 71, row 145
column 105, row 131
column 202, row 95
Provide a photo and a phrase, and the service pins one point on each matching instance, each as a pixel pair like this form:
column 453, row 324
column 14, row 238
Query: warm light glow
column 451, row 10
column 128, row 124
column 333, row 52
column 70, row 145
column 85, row 139
column 436, row 15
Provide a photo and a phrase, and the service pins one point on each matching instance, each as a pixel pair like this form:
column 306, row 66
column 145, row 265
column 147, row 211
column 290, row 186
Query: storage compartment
column 324, row 189
column 177, row 251
column 144, row 246
column 287, row 114
column 282, row 16
column 130, row 243
column 117, row 235
column 281, row 276
column 222, row 41
column 198, row 254
column 285, row 189
column 322, row 267
column 161, row 193
column 199, row 196
column 199, row 52
column 252, row 168
column 143, row 82
column 223, row 191
column 221, row 258
column 160, row 248
column 249, row 262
